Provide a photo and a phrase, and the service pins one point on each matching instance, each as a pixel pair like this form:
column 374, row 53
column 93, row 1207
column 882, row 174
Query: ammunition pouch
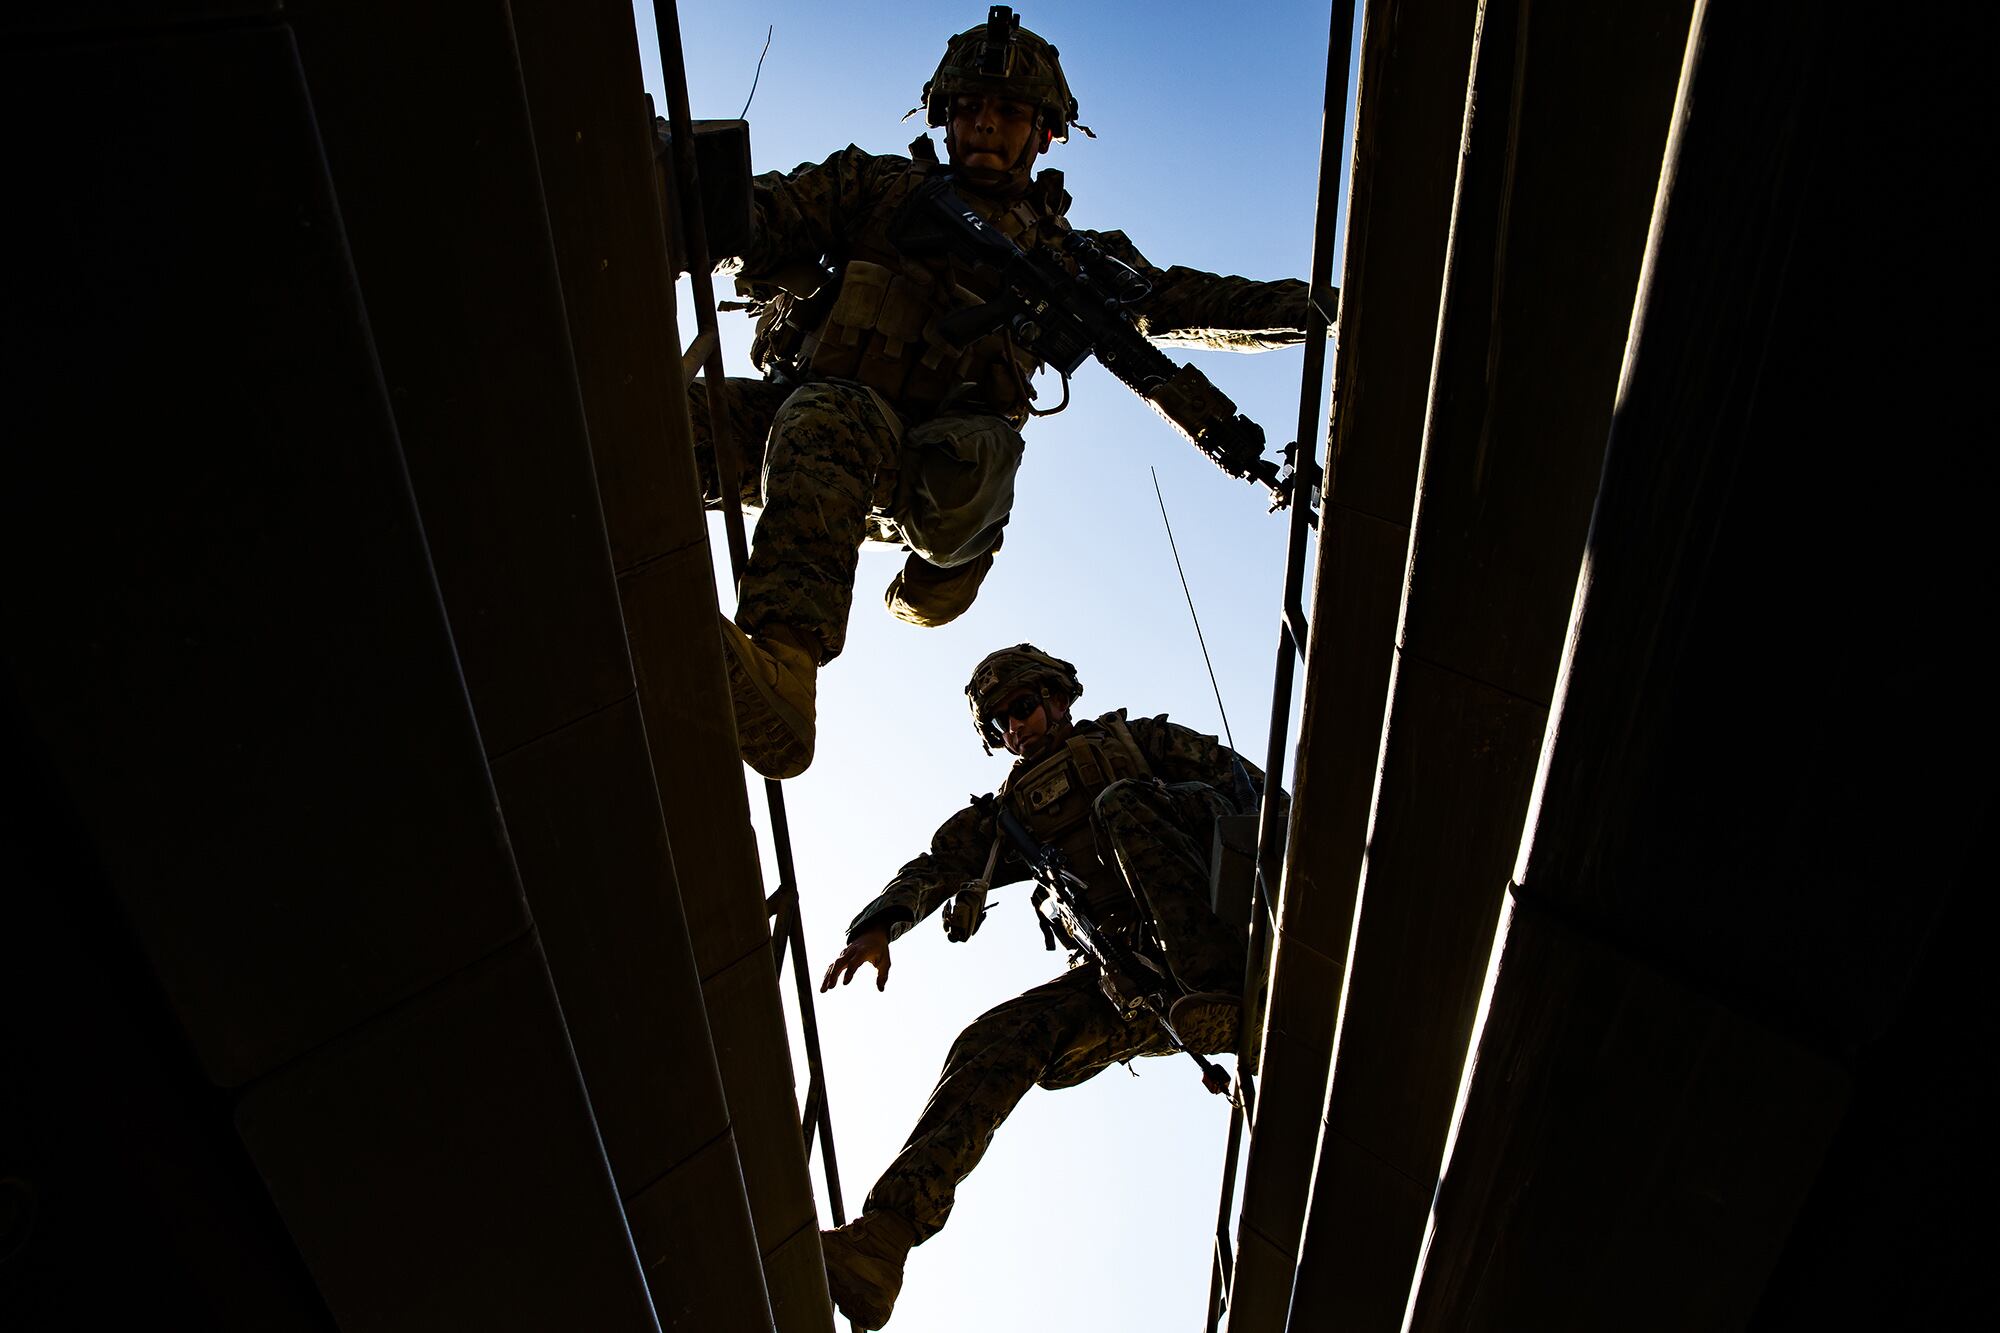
column 881, row 329
column 875, row 331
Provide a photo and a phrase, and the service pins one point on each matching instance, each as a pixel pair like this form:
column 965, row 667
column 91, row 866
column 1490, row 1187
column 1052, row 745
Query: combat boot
column 1210, row 1022
column 922, row 594
column 864, row 1265
column 771, row 682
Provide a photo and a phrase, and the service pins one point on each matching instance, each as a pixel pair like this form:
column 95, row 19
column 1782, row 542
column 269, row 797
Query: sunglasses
column 1020, row 710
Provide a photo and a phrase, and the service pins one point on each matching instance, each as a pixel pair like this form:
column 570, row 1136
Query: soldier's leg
column 951, row 503
column 830, row 453
column 1161, row 837
column 1058, row 1034
column 829, row 458
column 752, row 405
column 923, row 594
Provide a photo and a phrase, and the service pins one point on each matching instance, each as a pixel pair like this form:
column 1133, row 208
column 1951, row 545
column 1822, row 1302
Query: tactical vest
column 880, row 327
column 1055, row 796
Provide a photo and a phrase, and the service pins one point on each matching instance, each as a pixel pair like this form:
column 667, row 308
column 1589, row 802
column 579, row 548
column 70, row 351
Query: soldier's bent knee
column 828, row 398
column 1122, row 795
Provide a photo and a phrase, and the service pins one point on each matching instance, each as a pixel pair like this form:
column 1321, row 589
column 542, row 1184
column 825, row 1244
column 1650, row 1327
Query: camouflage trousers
column 829, row 471
column 1064, row 1031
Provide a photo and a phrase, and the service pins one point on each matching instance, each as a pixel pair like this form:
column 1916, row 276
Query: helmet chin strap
column 1055, row 725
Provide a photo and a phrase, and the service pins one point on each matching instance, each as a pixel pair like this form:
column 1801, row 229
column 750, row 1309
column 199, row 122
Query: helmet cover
column 1000, row 58
column 1000, row 673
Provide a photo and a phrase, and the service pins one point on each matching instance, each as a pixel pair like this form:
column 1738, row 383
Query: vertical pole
column 1293, row 631
column 694, row 229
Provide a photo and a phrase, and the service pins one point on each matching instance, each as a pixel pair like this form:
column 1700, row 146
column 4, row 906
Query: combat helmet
column 1000, row 673
column 1000, row 58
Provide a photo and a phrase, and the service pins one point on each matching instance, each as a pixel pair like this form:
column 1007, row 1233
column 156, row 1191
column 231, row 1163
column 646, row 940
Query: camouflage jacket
column 844, row 209
column 961, row 844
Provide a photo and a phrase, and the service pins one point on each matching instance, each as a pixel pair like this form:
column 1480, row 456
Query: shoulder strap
column 1001, row 792
column 1118, row 728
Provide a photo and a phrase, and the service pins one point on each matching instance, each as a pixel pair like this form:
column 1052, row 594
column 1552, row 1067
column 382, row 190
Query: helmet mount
column 1001, row 25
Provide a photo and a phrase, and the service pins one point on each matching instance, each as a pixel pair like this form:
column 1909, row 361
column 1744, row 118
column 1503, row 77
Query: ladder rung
column 696, row 353
column 809, row 1120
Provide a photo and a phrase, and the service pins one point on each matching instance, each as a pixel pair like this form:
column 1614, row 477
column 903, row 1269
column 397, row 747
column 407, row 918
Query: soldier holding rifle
column 898, row 355
column 1127, row 807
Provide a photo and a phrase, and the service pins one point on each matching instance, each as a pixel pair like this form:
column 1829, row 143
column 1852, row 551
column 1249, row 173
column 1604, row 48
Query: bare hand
column 872, row 947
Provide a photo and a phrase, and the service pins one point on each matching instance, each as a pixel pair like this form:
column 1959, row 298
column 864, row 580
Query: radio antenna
column 1198, row 636
column 769, row 29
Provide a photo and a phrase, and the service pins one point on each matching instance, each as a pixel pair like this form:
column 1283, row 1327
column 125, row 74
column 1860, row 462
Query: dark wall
column 1727, row 1079
column 314, row 663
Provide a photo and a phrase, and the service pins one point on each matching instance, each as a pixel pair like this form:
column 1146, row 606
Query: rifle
column 1064, row 318
column 1069, row 918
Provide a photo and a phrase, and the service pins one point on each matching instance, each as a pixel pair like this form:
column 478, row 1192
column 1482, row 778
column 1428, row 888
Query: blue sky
column 1095, row 1206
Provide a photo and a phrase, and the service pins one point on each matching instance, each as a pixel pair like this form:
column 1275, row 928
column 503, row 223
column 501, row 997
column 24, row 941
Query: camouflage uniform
column 888, row 431
column 1155, row 829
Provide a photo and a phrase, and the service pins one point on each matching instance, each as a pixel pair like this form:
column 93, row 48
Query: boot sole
column 1211, row 1023
column 773, row 737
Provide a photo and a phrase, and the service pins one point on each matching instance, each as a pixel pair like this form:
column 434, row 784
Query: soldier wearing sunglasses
column 1132, row 803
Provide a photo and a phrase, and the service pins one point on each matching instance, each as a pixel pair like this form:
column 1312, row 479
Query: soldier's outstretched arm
column 925, row 883
column 957, row 854
column 1188, row 307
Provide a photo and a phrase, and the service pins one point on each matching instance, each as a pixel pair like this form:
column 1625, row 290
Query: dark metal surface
column 1292, row 638
column 1409, row 115
column 234, row 646
column 1548, row 230
column 1732, row 1071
